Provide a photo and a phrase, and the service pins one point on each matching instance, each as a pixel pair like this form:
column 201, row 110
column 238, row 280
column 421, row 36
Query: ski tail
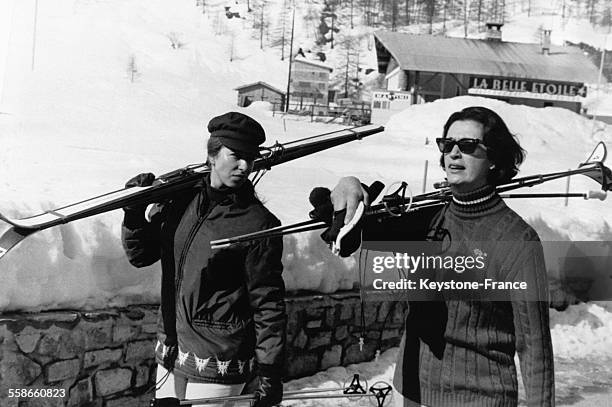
column 11, row 237
column 598, row 171
column 599, row 154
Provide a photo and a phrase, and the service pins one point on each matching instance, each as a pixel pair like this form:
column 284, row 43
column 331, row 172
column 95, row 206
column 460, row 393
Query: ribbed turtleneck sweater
column 461, row 353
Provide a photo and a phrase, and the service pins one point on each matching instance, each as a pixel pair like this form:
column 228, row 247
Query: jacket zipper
column 186, row 247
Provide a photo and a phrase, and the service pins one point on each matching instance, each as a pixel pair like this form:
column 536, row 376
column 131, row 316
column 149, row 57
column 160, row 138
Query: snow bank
column 379, row 370
column 583, row 331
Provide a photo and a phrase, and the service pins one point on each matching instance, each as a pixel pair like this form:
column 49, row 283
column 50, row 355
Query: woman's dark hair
column 503, row 149
column 213, row 146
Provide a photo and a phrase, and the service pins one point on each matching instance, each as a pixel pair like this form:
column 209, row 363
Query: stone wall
column 324, row 331
column 102, row 358
column 105, row 358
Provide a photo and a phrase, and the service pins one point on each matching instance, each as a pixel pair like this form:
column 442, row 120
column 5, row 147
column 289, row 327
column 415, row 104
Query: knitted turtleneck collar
column 476, row 203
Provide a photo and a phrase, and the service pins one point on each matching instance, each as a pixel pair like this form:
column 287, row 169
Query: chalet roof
column 260, row 83
column 482, row 57
column 313, row 63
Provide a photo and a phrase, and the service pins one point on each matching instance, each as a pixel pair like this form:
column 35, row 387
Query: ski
column 402, row 202
column 170, row 183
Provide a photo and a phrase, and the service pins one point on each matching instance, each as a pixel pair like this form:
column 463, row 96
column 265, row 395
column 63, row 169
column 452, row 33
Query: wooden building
column 260, row 91
column 434, row 67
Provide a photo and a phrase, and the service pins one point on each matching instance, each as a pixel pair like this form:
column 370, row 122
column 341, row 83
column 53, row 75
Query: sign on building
column 386, row 103
column 539, row 88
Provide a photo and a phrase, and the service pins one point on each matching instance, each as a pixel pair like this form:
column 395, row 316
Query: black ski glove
column 268, row 390
column 323, row 209
column 141, row 180
column 350, row 234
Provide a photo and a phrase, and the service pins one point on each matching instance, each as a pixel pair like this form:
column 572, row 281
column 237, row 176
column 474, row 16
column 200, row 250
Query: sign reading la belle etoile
column 533, row 86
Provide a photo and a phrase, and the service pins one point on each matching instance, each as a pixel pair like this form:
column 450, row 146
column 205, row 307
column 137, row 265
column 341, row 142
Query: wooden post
column 290, row 61
column 34, row 33
column 567, row 188
column 425, row 176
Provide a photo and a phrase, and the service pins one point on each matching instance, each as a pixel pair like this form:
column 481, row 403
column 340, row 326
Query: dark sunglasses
column 466, row 145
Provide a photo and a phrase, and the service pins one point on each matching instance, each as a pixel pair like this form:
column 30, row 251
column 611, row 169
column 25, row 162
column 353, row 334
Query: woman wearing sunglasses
column 457, row 351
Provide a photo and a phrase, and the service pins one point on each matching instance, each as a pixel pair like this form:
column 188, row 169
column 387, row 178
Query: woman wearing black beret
column 222, row 318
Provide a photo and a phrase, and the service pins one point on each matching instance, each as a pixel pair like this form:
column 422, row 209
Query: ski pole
column 380, row 394
column 380, row 391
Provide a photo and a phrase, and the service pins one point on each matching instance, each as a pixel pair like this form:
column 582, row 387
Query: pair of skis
column 401, row 202
column 169, row 184
column 378, row 393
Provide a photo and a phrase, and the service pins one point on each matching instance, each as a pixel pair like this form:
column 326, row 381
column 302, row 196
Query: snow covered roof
column 313, row 63
column 481, row 57
column 260, row 83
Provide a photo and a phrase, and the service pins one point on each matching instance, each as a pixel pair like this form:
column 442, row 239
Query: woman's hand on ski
column 347, row 194
column 141, row 180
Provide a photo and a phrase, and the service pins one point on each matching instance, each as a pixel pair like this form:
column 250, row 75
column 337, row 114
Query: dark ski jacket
column 223, row 308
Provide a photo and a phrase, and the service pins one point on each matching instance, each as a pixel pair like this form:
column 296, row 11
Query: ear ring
column 492, row 167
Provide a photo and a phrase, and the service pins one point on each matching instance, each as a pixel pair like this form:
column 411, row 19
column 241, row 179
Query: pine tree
column 328, row 26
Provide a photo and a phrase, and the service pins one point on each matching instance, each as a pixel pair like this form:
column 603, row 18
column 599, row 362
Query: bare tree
column 591, row 8
column 203, row 4
column 407, row 11
column 284, row 18
column 606, row 18
column 431, row 10
column 132, row 69
column 394, row 14
column 444, row 18
column 260, row 21
column 175, row 41
column 466, row 11
column 349, row 66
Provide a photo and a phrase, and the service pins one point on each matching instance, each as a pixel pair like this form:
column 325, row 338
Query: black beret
column 238, row 132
